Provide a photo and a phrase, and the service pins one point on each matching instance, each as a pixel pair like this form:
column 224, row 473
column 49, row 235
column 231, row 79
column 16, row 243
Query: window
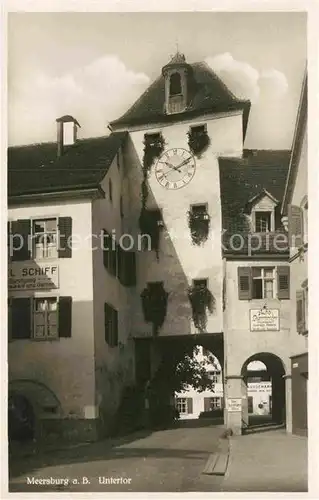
column 262, row 222
column 215, row 376
column 45, row 318
column 110, row 191
column 184, row 406
column 111, row 325
column 152, row 139
column 198, row 129
column 259, row 282
column 200, row 211
column 44, row 233
column 200, row 284
column 110, row 253
column 175, row 86
column 212, row 404
column 41, row 318
column 263, row 282
column 302, row 310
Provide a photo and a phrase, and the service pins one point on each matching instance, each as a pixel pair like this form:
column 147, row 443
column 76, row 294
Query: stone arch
column 41, row 397
column 276, row 371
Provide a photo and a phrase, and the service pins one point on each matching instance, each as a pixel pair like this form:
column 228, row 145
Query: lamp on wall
column 284, row 221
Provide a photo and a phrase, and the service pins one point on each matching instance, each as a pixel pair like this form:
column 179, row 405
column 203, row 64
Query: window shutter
column 65, row 316
column 244, row 283
column 107, row 323
column 115, row 330
column 121, row 258
column 295, row 226
column 300, row 311
column 113, row 258
column 23, row 229
column 283, row 282
column 21, row 318
column 65, row 235
column 106, row 250
column 189, row 405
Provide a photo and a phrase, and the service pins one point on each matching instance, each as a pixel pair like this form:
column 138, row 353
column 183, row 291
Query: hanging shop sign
column 264, row 320
column 234, row 404
column 33, row 276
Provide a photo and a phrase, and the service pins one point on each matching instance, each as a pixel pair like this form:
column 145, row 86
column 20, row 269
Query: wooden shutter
column 283, row 282
column 121, row 261
column 65, row 236
column 244, row 283
column 65, row 316
column 113, row 258
column 295, row 226
column 107, row 323
column 300, row 311
column 189, row 405
column 21, row 318
column 115, row 328
column 106, row 249
column 22, row 228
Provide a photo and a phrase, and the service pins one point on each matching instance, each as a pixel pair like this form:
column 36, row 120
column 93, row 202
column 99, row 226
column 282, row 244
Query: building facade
column 295, row 209
column 197, row 257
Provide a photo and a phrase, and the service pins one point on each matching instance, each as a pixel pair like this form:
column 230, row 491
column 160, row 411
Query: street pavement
column 162, row 461
column 272, row 461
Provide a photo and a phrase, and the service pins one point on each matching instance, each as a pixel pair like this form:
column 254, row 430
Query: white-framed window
column 263, row 222
column 181, row 405
column 45, row 237
column 263, row 282
column 45, row 318
column 215, row 403
column 215, row 376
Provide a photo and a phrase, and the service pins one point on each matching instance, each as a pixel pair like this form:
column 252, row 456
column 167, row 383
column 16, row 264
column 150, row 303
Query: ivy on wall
column 201, row 301
column 153, row 148
column 199, row 224
column 154, row 305
column 198, row 140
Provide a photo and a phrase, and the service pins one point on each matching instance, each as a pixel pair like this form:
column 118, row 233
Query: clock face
column 175, row 168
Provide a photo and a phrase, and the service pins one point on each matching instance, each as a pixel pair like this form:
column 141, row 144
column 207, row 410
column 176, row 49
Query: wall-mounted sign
column 264, row 320
column 33, row 276
column 259, row 387
column 234, row 404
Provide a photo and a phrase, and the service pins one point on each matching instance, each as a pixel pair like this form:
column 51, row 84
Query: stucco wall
column 240, row 342
column 179, row 260
column 299, row 266
column 113, row 365
column 65, row 365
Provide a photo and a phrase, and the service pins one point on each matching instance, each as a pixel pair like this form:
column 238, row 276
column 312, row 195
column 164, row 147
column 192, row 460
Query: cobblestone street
column 169, row 460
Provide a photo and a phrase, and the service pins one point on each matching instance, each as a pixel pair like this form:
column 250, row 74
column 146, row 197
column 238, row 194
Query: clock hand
column 171, row 166
column 184, row 162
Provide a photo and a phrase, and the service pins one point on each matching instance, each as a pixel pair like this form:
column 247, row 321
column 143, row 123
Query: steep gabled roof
column 242, row 179
column 36, row 168
column 210, row 95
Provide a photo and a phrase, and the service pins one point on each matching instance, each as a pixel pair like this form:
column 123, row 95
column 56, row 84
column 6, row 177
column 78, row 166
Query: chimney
column 66, row 132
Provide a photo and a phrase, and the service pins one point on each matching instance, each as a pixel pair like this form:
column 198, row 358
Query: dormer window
column 175, row 87
column 263, row 222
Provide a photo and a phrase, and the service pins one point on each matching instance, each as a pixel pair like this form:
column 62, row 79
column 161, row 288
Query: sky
column 95, row 65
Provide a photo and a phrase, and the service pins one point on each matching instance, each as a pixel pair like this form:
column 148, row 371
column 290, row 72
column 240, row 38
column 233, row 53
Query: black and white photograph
column 157, row 251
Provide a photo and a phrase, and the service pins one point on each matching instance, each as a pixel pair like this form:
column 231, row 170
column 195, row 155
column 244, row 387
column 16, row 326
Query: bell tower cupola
column 178, row 79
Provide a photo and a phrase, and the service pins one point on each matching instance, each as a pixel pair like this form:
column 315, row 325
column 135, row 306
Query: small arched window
column 175, row 86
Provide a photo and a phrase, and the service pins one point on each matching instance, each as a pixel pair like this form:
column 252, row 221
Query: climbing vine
column 199, row 224
column 154, row 304
column 153, row 148
column 201, row 301
column 198, row 140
